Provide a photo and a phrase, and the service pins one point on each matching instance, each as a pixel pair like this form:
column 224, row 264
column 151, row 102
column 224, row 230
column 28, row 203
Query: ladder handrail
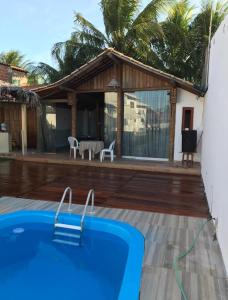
column 62, row 200
column 90, row 193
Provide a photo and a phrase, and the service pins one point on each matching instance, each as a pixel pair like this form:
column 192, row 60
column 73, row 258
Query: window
column 187, row 118
column 110, row 117
column 132, row 104
column 147, row 131
column 16, row 82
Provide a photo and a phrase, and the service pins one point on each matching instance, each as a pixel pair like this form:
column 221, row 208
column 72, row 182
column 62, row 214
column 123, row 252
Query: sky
column 34, row 26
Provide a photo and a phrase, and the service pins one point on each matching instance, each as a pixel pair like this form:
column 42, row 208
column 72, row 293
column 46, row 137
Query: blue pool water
column 32, row 266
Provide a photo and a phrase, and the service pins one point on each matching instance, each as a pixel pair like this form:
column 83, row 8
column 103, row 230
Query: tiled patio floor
column 166, row 236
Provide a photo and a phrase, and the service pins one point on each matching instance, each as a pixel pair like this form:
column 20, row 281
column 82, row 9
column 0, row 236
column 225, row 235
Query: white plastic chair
column 74, row 145
column 108, row 152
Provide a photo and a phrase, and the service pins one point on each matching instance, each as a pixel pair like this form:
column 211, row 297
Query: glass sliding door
column 146, row 124
column 110, row 117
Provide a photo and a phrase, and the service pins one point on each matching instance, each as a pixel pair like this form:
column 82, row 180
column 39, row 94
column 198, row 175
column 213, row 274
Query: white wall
column 187, row 99
column 215, row 136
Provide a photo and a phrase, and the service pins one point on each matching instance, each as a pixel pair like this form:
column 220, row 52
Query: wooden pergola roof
column 100, row 63
column 15, row 94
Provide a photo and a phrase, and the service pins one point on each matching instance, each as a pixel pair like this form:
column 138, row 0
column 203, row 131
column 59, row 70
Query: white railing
column 69, row 190
column 89, row 196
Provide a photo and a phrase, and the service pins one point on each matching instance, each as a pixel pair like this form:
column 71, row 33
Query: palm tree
column 68, row 56
column 176, row 45
column 211, row 12
column 126, row 29
column 182, row 49
column 14, row 58
column 174, row 48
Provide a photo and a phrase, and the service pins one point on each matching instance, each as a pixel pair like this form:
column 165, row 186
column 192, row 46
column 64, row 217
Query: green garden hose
column 182, row 255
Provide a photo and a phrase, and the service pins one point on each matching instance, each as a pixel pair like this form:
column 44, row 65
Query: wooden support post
column 23, row 129
column 74, row 120
column 98, row 120
column 38, row 131
column 72, row 100
column 173, row 102
column 120, row 111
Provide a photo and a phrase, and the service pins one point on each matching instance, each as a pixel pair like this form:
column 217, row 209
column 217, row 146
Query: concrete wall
column 186, row 99
column 19, row 78
column 215, row 136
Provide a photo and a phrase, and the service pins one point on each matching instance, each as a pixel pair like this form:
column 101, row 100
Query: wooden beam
column 98, row 120
column 173, row 102
column 39, row 140
column 129, row 90
column 24, row 129
column 49, row 94
column 89, row 91
column 51, row 101
column 63, row 88
column 120, row 111
column 72, row 100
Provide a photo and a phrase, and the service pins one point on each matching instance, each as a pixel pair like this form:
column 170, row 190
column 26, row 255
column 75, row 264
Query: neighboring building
column 19, row 76
column 11, row 109
column 116, row 97
column 13, row 75
column 215, row 138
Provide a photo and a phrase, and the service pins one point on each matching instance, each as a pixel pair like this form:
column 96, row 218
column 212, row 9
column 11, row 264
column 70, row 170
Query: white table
column 93, row 147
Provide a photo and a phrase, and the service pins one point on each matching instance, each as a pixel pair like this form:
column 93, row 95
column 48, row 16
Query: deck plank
column 156, row 192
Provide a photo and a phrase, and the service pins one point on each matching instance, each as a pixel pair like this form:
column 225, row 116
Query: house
column 15, row 109
column 19, row 76
column 116, row 97
column 14, row 75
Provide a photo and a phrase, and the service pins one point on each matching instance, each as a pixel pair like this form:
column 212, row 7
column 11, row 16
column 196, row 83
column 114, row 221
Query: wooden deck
column 157, row 192
column 202, row 271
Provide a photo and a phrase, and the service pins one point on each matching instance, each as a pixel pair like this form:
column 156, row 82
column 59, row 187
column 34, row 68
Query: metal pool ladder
column 67, row 233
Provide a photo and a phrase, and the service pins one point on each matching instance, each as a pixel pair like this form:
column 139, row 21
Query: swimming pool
column 107, row 266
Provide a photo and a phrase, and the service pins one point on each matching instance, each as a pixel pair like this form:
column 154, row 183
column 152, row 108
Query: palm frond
column 152, row 11
column 181, row 13
column 87, row 31
column 58, row 48
column 146, row 25
column 118, row 16
column 14, row 58
column 46, row 72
